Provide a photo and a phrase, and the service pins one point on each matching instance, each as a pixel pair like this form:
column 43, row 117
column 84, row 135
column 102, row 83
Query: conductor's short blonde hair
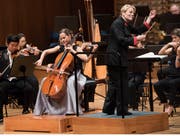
column 126, row 7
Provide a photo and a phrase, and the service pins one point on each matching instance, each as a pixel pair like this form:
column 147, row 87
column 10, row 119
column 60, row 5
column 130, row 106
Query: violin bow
column 2, row 73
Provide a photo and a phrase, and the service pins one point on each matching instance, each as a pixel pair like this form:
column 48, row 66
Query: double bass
column 54, row 85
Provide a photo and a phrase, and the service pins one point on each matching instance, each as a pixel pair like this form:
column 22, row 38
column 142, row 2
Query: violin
column 29, row 50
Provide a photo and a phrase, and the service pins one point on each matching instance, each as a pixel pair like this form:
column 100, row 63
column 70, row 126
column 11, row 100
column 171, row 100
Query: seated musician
column 13, row 85
column 171, row 80
column 67, row 104
column 27, row 50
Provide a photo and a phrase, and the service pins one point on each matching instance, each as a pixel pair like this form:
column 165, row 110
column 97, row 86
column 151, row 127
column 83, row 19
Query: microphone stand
column 76, row 86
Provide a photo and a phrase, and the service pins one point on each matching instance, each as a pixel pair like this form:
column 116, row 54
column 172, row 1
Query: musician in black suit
column 12, row 85
column 120, row 38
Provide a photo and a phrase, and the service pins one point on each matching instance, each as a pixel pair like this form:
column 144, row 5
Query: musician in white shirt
column 19, row 87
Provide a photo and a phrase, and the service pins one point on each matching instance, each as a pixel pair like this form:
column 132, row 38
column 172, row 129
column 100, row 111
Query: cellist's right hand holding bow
column 49, row 68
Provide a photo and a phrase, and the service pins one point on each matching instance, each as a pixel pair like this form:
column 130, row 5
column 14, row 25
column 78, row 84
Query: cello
column 54, row 85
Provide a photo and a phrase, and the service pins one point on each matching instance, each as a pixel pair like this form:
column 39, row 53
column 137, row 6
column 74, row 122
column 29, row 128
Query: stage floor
column 94, row 123
column 174, row 127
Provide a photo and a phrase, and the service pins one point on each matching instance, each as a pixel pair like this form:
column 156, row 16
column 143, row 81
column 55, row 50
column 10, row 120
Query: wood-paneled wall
column 35, row 18
column 32, row 17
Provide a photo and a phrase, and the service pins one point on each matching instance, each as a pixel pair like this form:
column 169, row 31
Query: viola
column 54, row 85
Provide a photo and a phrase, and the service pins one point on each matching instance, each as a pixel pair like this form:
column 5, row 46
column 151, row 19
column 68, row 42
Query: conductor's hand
column 141, row 37
column 152, row 14
column 1, row 74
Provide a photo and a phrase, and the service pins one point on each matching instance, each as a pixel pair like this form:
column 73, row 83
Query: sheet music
column 152, row 55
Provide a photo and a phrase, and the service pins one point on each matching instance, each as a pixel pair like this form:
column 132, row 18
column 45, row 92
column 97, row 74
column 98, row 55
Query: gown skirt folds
column 67, row 104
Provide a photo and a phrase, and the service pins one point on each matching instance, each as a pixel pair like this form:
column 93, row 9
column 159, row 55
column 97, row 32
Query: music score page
column 152, row 55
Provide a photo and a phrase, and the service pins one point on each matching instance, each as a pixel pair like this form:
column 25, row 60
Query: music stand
column 150, row 58
column 23, row 66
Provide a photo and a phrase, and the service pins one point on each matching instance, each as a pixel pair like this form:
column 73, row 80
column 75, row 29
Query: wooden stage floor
column 94, row 123
column 174, row 122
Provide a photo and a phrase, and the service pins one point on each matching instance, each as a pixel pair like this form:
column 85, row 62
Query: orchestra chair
column 177, row 100
column 143, row 89
column 12, row 99
column 88, row 93
column 96, row 74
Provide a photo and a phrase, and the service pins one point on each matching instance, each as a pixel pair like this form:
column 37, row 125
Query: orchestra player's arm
column 177, row 62
column 45, row 53
column 166, row 49
column 84, row 57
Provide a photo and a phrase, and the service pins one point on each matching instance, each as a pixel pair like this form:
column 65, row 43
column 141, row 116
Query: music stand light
column 23, row 66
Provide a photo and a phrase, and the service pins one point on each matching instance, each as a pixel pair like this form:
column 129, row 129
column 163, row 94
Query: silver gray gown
column 67, row 105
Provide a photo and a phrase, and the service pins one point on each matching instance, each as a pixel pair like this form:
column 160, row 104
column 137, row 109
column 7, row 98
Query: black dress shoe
column 70, row 114
column 108, row 113
column 1, row 120
column 25, row 111
column 128, row 113
column 125, row 113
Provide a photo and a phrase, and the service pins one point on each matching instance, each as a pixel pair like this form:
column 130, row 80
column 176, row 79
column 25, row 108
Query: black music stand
column 150, row 58
column 23, row 66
